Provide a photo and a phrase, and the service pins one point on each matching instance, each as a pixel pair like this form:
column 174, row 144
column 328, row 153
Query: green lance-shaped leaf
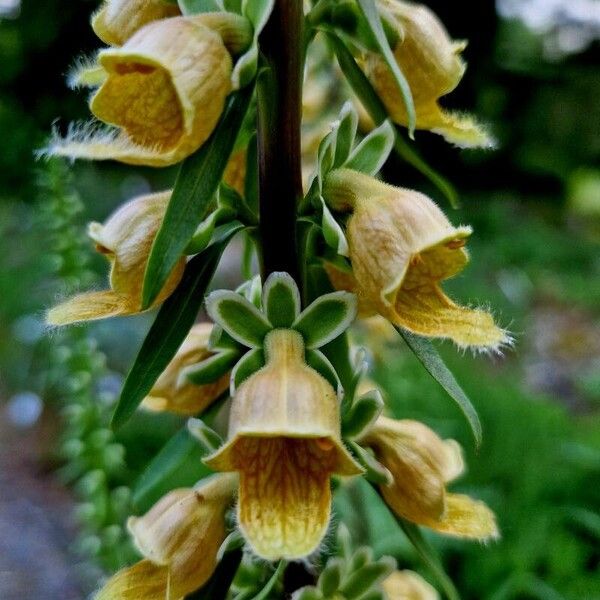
column 173, row 322
column 326, row 318
column 372, row 152
column 345, row 132
column 371, row 14
column 368, row 96
column 364, row 579
column 320, row 363
column 362, row 414
column 428, row 556
column 196, row 184
column 251, row 362
column 375, row 472
column 332, row 232
column 281, row 299
column 429, row 357
column 238, row 317
column 210, row 369
column 178, row 464
column 208, row 439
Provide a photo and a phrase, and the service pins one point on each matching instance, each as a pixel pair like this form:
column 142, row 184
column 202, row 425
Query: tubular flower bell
column 421, row 464
column 402, row 246
column 125, row 239
column 179, row 538
column 433, row 67
column 284, row 441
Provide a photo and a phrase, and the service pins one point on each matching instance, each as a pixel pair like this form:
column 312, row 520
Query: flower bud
column 408, row 585
column 125, row 239
column 401, row 247
column 164, row 91
column 284, row 440
column 179, row 538
column 169, row 394
column 433, row 67
column 422, row 464
column 117, row 20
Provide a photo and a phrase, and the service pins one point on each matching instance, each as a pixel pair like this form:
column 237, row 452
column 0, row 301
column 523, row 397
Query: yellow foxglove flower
column 125, row 239
column 408, row 585
column 171, row 394
column 117, row 20
column 433, row 67
column 164, row 91
column 284, row 440
column 421, row 465
column 401, row 247
column 179, row 538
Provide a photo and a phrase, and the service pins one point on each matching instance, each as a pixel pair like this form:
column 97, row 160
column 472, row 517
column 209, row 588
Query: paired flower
column 125, row 239
column 164, row 90
column 402, row 246
column 421, row 464
column 179, row 538
column 433, row 67
column 173, row 392
column 408, row 585
column 117, row 20
column 285, row 443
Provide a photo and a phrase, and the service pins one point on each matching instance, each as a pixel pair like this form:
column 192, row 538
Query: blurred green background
column 534, row 75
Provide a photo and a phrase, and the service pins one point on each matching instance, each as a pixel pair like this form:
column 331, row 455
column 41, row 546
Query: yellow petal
column 408, row 585
column 285, row 497
column 117, row 20
column 89, row 307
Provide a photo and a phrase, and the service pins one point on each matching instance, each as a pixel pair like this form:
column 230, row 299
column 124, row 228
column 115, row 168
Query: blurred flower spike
column 402, row 246
column 125, row 239
column 179, row 538
column 421, row 464
column 433, row 67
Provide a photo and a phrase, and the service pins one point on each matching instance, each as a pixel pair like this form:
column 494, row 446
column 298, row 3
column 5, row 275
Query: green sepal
column 320, row 363
column 251, row 362
column 307, row 593
column 221, row 340
column 210, row 369
column 374, row 470
column 362, row 414
column 372, row 152
column 252, row 291
column 281, row 300
column 361, row 557
column 238, row 317
column 366, row 578
column 265, row 593
column 234, row 541
column 194, row 7
column 326, row 318
column 210, row 441
column 345, row 134
column 331, row 577
column 332, row 232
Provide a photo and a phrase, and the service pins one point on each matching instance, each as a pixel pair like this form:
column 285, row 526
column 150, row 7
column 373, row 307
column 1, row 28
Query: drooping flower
column 408, row 585
column 433, row 67
column 401, row 247
column 421, row 465
column 117, row 20
column 284, row 440
column 170, row 393
column 164, row 91
column 179, row 538
column 125, row 239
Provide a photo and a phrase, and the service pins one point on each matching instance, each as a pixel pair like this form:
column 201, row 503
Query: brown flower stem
column 279, row 97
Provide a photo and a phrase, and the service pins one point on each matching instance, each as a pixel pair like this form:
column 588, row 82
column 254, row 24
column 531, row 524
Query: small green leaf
column 331, row 577
column 332, row 232
column 210, row 369
column 320, row 363
column 361, row 557
column 326, row 318
column 173, row 322
column 208, row 439
column 307, row 593
column 203, row 234
column 196, row 184
column 258, row 12
column 345, row 133
column 362, row 414
column 194, row 7
column 362, row 581
column 372, row 152
column 371, row 14
column 238, row 317
column 374, row 470
column 281, row 300
column 429, row 357
column 264, row 594
column 251, row 362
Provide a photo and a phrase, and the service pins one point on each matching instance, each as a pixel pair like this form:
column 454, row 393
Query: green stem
column 279, row 99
